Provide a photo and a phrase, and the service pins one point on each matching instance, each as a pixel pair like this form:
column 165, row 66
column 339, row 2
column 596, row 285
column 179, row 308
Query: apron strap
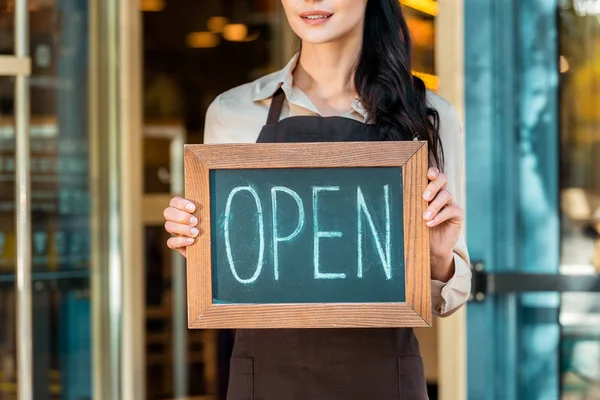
column 276, row 107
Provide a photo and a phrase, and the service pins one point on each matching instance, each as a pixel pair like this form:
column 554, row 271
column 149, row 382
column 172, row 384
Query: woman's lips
column 316, row 17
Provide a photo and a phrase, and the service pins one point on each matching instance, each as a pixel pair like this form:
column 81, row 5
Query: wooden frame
column 410, row 156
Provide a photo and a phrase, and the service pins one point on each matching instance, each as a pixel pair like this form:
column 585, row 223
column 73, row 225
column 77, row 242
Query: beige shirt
column 238, row 115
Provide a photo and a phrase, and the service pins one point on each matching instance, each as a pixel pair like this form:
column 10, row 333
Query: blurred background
column 117, row 88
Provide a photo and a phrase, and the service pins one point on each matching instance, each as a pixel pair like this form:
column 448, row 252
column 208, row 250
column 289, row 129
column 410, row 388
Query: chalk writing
column 386, row 259
column 307, row 235
column 261, row 234
column 276, row 238
column 318, row 234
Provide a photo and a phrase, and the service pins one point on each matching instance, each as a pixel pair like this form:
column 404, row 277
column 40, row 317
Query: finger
column 182, row 204
column 181, row 230
column 443, row 198
column 433, row 173
column 453, row 214
column 181, row 217
column 176, row 243
column 435, row 186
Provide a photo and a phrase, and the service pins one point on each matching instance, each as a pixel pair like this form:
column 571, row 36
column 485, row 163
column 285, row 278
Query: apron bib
column 324, row 364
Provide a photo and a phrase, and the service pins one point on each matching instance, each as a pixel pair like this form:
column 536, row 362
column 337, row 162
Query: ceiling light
column 235, row 32
column 217, row 24
column 152, row 5
column 202, row 40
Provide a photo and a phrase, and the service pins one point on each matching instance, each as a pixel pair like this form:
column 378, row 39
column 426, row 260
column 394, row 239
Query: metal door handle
column 484, row 283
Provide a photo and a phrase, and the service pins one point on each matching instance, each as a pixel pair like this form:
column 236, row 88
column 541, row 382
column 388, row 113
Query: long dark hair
column 394, row 99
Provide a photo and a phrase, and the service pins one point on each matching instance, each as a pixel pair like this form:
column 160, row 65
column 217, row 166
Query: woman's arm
column 450, row 271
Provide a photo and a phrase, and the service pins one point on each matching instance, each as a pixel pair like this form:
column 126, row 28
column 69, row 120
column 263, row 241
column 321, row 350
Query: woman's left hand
column 444, row 217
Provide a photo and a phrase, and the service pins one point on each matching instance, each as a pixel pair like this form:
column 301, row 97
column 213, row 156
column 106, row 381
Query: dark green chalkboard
column 243, row 259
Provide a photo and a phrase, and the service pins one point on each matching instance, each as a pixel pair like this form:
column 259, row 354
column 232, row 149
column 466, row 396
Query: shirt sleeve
column 213, row 125
column 447, row 297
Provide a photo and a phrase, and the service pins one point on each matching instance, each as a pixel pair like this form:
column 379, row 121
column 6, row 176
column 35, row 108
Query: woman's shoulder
column 449, row 122
column 237, row 114
column 444, row 108
column 246, row 94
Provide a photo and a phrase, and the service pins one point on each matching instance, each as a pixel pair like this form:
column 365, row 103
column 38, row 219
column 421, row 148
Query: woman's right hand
column 181, row 223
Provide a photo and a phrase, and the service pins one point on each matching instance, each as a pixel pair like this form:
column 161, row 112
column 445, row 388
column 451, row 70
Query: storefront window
column 192, row 52
column 60, row 203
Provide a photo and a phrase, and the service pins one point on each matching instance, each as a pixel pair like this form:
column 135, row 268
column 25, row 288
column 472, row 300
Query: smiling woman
column 352, row 80
column 193, row 73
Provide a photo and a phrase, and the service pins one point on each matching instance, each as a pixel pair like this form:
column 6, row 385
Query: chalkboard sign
column 308, row 235
column 284, row 235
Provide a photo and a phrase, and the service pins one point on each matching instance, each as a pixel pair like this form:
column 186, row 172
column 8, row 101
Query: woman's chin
column 317, row 38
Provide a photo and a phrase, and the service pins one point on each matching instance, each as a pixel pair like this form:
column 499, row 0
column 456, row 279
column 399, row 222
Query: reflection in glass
column 60, row 203
column 8, row 385
column 580, row 194
column 7, row 23
column 192, row 52
column 536, row 227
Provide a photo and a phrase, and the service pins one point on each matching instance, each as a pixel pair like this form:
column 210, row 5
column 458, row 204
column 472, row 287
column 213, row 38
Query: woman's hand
column 444, row 218
column 181, row 223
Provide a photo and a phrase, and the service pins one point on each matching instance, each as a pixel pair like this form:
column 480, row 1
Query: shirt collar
column 280, row 79
column 284, row 79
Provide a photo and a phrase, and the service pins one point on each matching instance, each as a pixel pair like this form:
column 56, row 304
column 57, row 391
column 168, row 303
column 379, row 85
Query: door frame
column 116, row 183
column 452, row 331
column 19, row 66
column 131, row 119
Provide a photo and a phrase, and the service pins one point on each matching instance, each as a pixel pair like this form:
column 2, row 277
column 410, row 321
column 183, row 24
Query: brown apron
column 324, row 364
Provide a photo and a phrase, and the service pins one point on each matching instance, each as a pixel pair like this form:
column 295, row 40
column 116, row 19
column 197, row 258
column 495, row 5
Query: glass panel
column 7, row 23
column 8, row 385
column 191, row 54
column 537, row 340
column 579, row 40
column 60, row 203
column 512, row 191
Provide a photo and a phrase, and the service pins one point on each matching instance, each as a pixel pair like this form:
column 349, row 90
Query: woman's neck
column 325, row 74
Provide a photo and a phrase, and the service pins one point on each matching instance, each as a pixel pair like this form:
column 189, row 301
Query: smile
column 316, row 17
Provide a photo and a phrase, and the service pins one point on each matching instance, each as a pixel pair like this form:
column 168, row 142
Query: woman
column 354, row 67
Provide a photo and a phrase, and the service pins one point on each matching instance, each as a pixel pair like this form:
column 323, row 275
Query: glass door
column 46, row 229
column 192, row 52
column 533, row 109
